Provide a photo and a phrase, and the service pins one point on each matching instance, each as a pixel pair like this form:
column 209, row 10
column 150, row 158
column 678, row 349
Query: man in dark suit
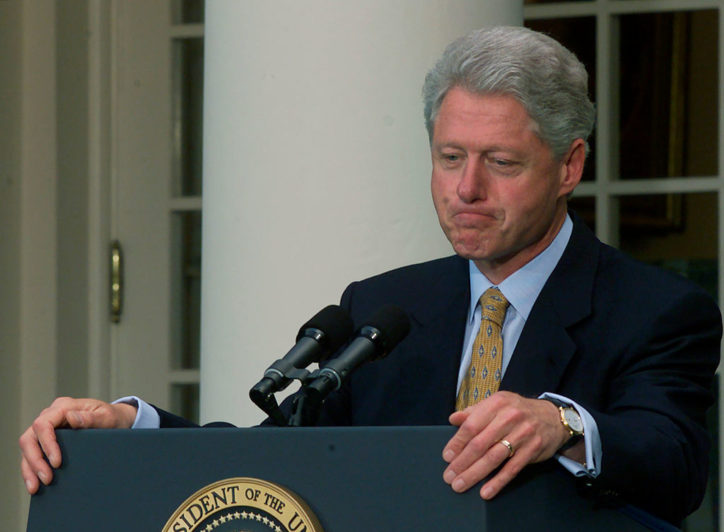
column 644, row 376
column 536, row 340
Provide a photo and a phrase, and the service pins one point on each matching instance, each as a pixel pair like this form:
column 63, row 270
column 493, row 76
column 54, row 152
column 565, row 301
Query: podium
column 353, row 479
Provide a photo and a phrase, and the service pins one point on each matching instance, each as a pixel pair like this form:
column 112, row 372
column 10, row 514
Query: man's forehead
column 464, row 116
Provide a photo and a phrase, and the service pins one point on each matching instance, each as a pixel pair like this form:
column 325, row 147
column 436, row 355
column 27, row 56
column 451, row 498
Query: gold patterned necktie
column 486, row 361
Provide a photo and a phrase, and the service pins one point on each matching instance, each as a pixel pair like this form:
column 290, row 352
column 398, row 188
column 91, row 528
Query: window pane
column 185, row 401
column 579, row 36
column 668, row 100
column 675, row 231
column 186, row 290
column 188, row 75
column 585, row 208
column 188, row 11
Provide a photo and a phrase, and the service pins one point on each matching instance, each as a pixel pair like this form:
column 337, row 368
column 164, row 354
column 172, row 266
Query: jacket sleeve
column 653, row 428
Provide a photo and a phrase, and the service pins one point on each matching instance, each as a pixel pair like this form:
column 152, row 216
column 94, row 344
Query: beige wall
column 9, row 253
column 72, row 34
column 43, row 220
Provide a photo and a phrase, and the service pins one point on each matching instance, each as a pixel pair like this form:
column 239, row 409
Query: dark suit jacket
column 636, row 346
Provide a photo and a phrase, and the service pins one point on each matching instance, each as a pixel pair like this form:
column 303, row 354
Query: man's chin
column 470, row 251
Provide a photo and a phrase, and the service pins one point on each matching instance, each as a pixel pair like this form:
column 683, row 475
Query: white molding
column 115, row 8
column 186, row 31
column 720, row 223
column 614, row 7
column 653, row 6
column 183, row 376
column 98, row 199
column 560, row 10
column 606, row 152
column 650, row 186
column 188, row 203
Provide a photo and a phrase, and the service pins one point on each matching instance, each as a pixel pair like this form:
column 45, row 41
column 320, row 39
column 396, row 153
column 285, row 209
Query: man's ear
column 572, row 167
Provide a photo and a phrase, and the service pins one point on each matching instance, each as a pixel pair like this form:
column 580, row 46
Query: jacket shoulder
column 411, row 287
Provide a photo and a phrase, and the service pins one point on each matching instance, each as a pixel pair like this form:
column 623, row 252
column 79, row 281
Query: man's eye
column 503, row 165
column 451, row 158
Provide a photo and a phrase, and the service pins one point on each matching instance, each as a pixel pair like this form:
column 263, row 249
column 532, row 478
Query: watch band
column 562, row 406
column 555, row 401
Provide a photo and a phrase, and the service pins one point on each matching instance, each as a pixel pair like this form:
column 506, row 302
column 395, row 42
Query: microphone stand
column 270, row 406
column 264, row 398
column 307, row 404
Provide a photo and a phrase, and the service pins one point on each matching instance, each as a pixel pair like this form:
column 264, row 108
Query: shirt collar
column 521, row 288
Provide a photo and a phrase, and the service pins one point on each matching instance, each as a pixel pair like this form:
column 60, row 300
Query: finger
column 31, row 480
column 478, row 435
column 35, row 465
column 473, row 451
column 478, row 470
column 503, row 477
column 528, row 449
column 80, row 419
column 473, row 420
column 101, row 416
column 53, row 417
column 458, row 417
column 484, row 453
column 45, row 433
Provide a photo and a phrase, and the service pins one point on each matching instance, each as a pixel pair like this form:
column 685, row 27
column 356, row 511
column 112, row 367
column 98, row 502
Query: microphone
column 375, row 339
column 317, row 339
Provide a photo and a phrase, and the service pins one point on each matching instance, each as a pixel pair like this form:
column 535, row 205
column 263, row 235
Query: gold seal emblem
column 243, row 504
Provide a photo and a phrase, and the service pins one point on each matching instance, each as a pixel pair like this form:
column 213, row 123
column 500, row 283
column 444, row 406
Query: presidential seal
column 243, row 505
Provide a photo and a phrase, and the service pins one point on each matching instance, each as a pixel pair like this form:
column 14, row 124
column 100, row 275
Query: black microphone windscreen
column 334, row 322
column 393, row 324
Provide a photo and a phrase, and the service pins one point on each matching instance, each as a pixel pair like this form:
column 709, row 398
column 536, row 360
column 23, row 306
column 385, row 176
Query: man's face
column 499, row 194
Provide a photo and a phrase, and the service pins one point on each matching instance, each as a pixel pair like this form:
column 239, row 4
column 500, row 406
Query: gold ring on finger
column 511, row 451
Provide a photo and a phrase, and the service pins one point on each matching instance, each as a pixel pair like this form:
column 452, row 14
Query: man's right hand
column 39, row 447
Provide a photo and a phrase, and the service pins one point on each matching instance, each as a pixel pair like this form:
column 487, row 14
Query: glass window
column 675, row 231
column 585, row 208
column 185, row 401
column 668, row 94
column 188, row 11
column 186, row 289
column 188, row 115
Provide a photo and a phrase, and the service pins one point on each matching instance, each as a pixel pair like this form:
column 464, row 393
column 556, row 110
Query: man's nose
column 473, row 181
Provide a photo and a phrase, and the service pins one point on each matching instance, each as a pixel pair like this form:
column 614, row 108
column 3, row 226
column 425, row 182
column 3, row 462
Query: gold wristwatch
column 571, row 421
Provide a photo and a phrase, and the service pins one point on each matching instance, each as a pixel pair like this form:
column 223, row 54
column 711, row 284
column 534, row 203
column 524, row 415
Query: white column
column 316, row 166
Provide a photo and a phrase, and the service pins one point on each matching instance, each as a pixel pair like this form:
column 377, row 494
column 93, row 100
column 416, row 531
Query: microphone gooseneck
column 374, row 340
column 316, row 340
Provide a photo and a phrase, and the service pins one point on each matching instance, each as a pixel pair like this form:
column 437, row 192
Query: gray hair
column 546, row 79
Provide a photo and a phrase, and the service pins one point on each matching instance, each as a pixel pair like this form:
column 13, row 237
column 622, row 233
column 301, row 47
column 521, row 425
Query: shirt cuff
column 146, row 415
column 591, row 437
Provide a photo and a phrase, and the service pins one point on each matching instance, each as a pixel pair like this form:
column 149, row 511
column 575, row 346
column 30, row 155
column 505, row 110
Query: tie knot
column 493, row 306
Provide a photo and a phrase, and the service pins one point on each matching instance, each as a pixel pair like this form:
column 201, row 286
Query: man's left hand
column 531, row 426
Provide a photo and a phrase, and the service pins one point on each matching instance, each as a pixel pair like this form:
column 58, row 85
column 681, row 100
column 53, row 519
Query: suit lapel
column 545, row 348
column 439, row 323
